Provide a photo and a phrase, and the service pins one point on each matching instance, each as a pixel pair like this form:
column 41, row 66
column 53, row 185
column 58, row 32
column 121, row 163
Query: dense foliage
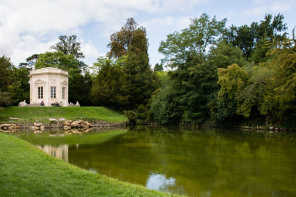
column 230, row 75
column 235, row 75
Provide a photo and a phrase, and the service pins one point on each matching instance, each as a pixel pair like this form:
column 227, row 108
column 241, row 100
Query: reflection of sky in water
column 92, row 170
column 160, row 182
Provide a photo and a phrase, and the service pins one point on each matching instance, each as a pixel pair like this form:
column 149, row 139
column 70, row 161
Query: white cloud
column 281, row 6
column 90, row 51
column 29, row 26
column 262, row 7
column 258, row 11
column 176, row 23
column 32, row 26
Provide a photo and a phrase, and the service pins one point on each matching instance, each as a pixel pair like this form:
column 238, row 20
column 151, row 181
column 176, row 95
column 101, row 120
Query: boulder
column 67, row 123
column 74, row 124
column 37, row 124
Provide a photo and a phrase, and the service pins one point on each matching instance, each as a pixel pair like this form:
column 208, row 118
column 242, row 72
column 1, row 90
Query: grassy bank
column 27, row 171
column 42, row 114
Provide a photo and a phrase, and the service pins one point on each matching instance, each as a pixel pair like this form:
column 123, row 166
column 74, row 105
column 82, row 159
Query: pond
column 194, row 162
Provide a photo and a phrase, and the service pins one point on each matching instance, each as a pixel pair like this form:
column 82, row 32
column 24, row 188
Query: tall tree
column 202, row 33
column 110, row 85
column 20, row 87
column 280, row 97
column 6, row 68
column 58, row 60
column 225, row 54
column 130, row 38
column 195, row 81
column 247, row 37
column 69, row 46
column 130, row 47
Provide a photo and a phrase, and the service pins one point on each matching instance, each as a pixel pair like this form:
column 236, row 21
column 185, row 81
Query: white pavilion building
column 49, row 85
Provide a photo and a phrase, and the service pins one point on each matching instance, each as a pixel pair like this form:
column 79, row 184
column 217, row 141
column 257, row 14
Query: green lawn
column 42, row 114
column 27, row 171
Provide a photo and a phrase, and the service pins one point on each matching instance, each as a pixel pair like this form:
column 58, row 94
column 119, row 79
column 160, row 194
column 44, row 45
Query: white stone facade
column 49, row 85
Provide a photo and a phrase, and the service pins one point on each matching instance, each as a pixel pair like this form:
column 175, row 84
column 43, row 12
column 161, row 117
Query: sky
column 31, row 26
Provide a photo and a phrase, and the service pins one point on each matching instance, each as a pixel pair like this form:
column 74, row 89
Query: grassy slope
column 42, row 114
column 27, row 171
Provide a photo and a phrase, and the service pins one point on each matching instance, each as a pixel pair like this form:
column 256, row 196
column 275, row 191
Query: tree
column 80, row 87
column 247, row 37
column 195, row 81
column 193, row 41
column 68, row 46
column 158, row 67
column 110, row 85
column 5, row 73
column 164, row 106
column 30, row 62
column 232, row 81
column 130, row 38
column 225, row 54
column 130, row 47
column 280, row 97
column 57, row 60
column 19, row 87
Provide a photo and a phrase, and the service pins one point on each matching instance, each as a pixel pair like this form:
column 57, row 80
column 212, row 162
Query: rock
column 271, row 128
column 61, row 119
column 74, row 124
column 11, row 118
column 52, row 120
column 67, row 123
column 42, row 127
column 37, row 124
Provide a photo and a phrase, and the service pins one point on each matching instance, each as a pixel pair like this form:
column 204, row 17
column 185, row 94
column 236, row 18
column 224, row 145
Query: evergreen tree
column 130, row 47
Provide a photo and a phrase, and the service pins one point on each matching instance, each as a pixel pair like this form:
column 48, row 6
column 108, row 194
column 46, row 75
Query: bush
column 131, row 116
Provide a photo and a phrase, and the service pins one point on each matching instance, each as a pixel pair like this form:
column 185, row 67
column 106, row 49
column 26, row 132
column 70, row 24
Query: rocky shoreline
column 65, row 124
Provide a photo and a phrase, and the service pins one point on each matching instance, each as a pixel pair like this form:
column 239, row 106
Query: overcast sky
column 32, row 26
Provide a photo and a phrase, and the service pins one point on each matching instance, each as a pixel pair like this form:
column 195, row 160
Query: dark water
column 203, row 162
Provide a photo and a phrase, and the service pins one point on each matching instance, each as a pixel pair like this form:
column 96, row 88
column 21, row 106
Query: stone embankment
column 8, row 127
column 69, row 124
column 261, row 128
column 60, row 123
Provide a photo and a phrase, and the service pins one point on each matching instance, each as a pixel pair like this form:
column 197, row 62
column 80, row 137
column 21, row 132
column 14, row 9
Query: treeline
column 218, row 75
column 231, row 76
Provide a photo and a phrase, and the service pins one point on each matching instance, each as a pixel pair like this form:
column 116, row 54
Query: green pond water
column 202, row 162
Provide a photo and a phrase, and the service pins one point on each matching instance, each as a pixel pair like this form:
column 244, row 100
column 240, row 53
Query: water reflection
column 192, row 162
column 60, row 151
column 160, row 182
